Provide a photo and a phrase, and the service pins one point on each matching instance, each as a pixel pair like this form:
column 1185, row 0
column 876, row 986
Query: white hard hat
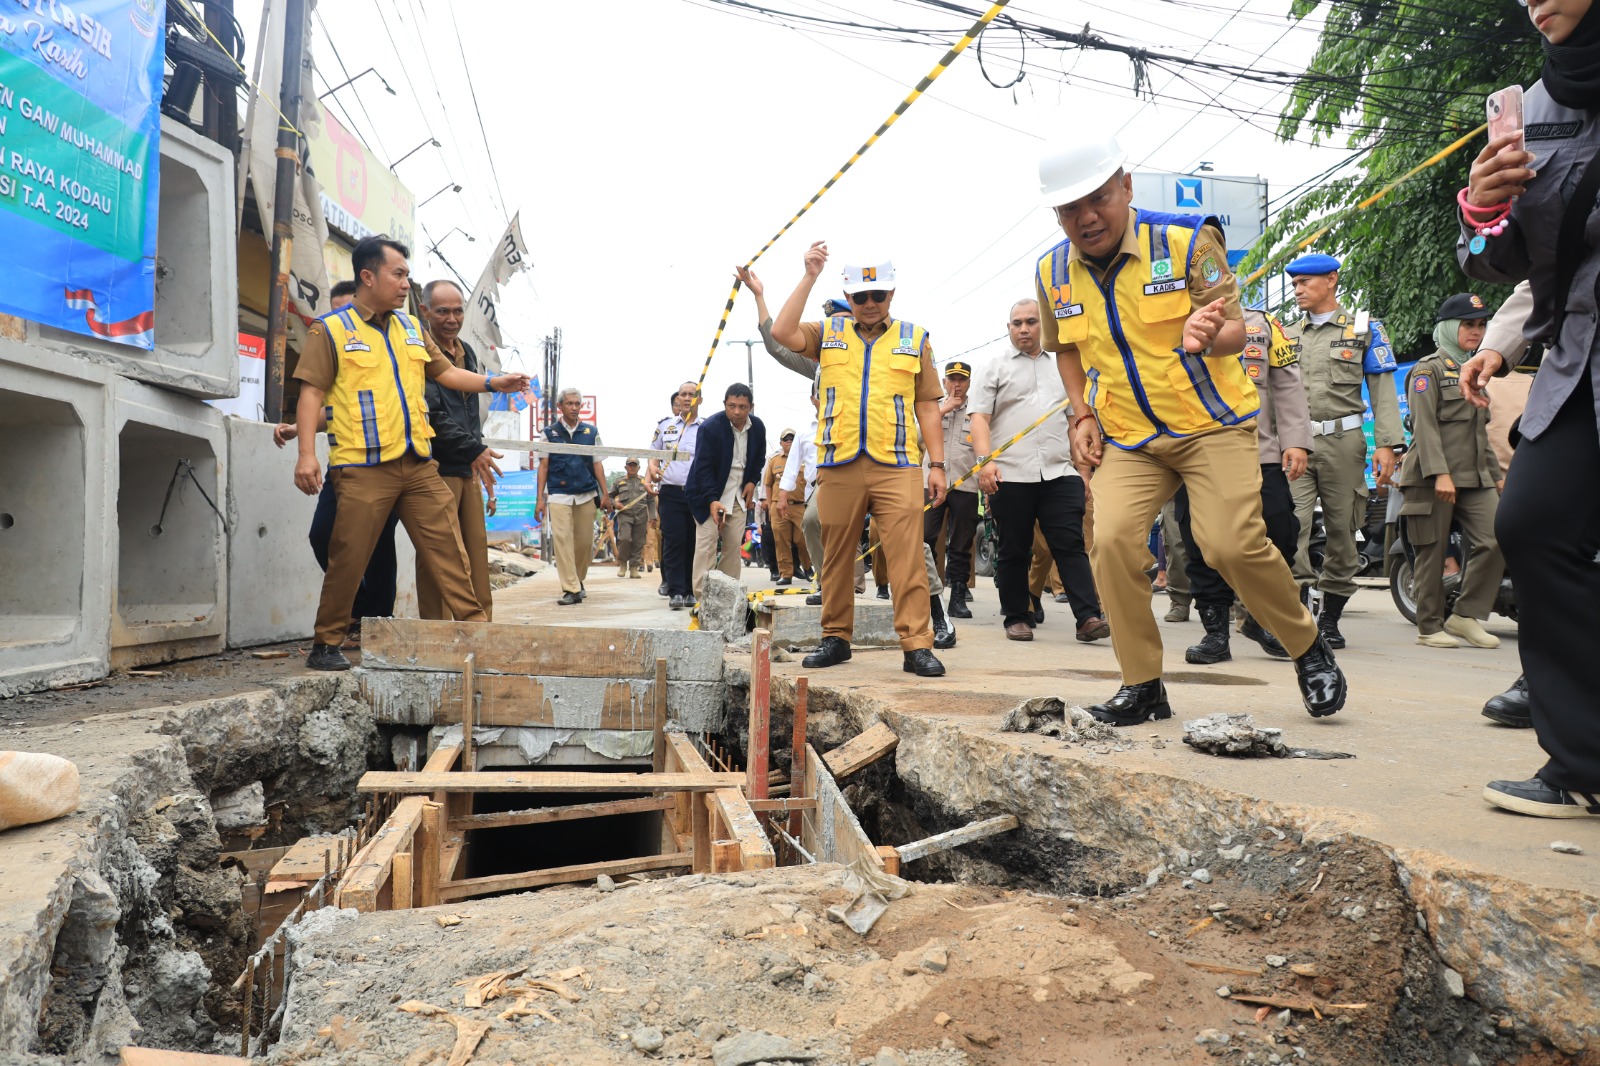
column 867, row 277
column 1072, row 171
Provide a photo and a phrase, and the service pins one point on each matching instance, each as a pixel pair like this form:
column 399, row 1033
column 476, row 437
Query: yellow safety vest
column 378, row 407
column 1142, row 384
column 869, row 393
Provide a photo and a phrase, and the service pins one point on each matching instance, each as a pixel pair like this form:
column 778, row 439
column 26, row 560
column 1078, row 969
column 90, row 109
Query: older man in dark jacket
column 728, row 457
column 464, row 460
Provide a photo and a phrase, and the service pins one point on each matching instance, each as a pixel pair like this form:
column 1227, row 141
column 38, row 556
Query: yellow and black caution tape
column 922, row 86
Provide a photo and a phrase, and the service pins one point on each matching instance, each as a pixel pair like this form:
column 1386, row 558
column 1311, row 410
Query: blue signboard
column 517, row 500
column 80, row 132
column 1398, row 380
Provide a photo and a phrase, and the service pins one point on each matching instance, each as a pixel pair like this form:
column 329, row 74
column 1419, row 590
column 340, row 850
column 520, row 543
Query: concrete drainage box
column 55, row 521
column 197, row 291
column 171, row 587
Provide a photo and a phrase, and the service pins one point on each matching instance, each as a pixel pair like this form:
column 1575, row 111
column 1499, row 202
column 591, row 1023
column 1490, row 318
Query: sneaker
column 1538, row 799
column 326, row 657
column 1471, row 631
column 1437, row 640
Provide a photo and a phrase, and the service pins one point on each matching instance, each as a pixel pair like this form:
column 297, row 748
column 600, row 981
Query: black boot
column 1134, row 704
column 1328, row 624
column 834, row 650
column 944, row 632
column 923, row 663
column 1322, row 684
column 1213, row 647
column 326, row 657
column 1511, row 706
column 1250, row 629
column 958, row 601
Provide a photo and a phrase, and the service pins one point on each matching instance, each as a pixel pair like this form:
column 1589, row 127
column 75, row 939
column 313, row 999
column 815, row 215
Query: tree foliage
column 1398, row 81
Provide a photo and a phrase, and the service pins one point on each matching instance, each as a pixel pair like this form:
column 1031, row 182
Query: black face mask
column 1572, row 68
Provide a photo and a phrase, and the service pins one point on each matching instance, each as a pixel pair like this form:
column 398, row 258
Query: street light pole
column 294, row 44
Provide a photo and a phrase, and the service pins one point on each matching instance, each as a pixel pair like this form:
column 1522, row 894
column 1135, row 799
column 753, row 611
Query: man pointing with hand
column 1143, row 314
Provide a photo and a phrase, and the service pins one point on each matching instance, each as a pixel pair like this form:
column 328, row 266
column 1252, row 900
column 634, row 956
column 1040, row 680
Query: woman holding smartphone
column 1529, row 213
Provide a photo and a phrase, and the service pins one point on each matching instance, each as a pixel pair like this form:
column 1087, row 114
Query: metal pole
column 288, row 154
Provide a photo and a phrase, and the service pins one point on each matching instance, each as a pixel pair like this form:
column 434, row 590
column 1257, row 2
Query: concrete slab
column 55, row 557
column 171, row 575
column 273, row 581
column 795, row 625
column 197, row 292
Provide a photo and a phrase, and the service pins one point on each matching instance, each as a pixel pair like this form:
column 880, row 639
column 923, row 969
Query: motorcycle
column 1402, row 559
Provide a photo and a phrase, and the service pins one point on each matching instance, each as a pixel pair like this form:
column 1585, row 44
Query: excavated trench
column 159, row 924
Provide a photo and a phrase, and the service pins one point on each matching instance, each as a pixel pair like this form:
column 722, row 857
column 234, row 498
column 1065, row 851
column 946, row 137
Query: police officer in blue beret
column 1339, row 350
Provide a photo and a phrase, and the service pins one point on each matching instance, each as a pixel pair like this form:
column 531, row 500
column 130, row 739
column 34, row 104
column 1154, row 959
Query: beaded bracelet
column 1486, row 222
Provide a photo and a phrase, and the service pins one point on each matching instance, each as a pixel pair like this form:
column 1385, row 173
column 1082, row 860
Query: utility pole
column 288, row 153
column 749, row 360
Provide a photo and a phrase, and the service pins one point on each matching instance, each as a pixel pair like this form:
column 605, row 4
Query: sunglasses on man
column 876, row 296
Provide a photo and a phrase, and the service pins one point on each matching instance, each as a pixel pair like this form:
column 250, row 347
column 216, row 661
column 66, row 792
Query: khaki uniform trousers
column 412, row 487
column 1177, row 555
column 572, row 542
column 1337, row 473
column 1473, row 511
column 1042, row 576
column 894, row 496
column 632, row 531
column 652, row 544
column 788, row 539
column 811, row 526
column 468, row 495
column 707, row 538
column 1222, row 470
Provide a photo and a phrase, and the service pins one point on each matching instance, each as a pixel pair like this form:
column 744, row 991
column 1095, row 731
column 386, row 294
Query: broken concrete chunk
column 1202, row 875
column 1238, row 734
column 1277, row 961
column 724, row 607
column 647, row 1039
column 1454, row 983
column 240, row 808
column 888, row 1056
column 1050, row 716
column 935, row 960
column 35, row 787
column 1233, row 854
column 745, row 1049
column 605, row 884
column 1565, row 848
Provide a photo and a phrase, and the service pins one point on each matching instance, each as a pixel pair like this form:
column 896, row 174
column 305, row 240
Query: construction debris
column 1051, row 717
column 1238, row 734
column 1565, row 848
column 871, row 890
column 967, row 834
column 861, row 750
column 745, row 1049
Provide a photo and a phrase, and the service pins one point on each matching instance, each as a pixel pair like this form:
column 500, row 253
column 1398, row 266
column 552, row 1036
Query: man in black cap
column 960, row 505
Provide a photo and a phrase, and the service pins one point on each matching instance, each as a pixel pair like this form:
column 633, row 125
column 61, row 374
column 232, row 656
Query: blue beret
column 1315, row 263
column 834, row 305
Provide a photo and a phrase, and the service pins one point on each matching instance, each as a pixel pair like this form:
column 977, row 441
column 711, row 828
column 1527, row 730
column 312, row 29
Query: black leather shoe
column 883, row 592
column 1134, row 704
column 1535, row 797
column 679, row 602
column 1250, row 629
column 783, row 582
column 1511, row 706
column 834, row 650
column 922, row 663
column 1213, row 647
column 661, row 589
column 814, row 600
column 944, row 633
column 958, row 601
column 583, row 593
column 569, row 598
column 326, row 657
column 1038, row 611
column 1322, row 684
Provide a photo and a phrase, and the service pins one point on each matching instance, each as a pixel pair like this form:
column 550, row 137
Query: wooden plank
column 724, row 856
column 700, row 828
column 427, row 849
column 544, row 815
column 434, row 697
column 149, row 1056
column 783, row 805
column 483, row 886
column 547, row 781
column 557, row 651
column 443, row 759
column 797, row 750
column 831, row 832
column 401, row 878
column 255, row 860
column 469, row 709
column 760, row 727
column 658, row 747
column 307, row 860
column 755, row 850
column 861, row 750
column 891, row 859
column 690, row 761
column 364, row 880
column 953, row 838
column 450, row 855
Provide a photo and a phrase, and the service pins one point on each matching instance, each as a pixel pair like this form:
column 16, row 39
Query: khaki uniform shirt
column 774, row 474
column 1448, row 434
column 629, row 489
column 1332, row 360
column 1269, row 361
column 959, row 458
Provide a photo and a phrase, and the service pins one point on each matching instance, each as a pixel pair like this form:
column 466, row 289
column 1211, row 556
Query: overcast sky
column 650, row 145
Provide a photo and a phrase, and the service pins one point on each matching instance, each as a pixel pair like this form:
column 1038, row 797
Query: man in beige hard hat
column 877, row 376
column 1143, row 315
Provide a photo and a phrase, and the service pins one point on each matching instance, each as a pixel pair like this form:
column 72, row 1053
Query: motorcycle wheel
column 984, row 558
column 1402, row 589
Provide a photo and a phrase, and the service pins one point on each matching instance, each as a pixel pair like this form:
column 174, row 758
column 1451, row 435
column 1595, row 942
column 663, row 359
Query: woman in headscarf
column 1530, row 213
column 1450, row 475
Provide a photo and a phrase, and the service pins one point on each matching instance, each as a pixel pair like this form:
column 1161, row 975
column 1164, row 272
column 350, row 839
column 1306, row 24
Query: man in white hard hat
column 877, row 375
column 1143, row 314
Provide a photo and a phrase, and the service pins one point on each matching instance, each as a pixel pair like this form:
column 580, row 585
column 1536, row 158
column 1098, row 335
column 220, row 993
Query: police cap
column 957, row 369
column 1463, row 305
column 1314, row 263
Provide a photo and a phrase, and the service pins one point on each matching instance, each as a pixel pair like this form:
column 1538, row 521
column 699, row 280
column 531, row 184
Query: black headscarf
column 1572, row 68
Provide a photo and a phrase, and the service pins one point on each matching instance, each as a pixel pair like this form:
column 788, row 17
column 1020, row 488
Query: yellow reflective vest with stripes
column 1129, row 334
column 377, row 408
column 868, row 393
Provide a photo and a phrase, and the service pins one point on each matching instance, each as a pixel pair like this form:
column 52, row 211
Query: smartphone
column 1505, row 115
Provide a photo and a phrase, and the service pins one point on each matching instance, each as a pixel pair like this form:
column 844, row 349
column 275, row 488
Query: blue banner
column 517, row 499
column 80, row 150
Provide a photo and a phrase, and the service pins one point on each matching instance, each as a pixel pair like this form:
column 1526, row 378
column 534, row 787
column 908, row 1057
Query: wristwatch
column 982, row 459
column 937, row 466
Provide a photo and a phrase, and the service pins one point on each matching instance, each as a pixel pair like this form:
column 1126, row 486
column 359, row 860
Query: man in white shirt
column 798, row 486
column 721, row 487
column 1033, row 481
column 677, row 523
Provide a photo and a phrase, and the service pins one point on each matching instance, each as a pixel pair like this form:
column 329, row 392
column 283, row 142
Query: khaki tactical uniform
column 787, row 537
column 1450, row 436
column 633, row 523
column 1335, row 358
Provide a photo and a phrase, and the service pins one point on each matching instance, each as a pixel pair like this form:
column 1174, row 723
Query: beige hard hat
column 1072, row 171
